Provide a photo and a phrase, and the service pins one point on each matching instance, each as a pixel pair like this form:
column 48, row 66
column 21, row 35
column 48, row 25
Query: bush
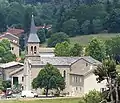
column 92, row 97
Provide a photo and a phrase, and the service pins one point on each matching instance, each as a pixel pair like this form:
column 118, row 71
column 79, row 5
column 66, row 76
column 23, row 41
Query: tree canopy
column 57, row 38
column 5, row 53
column 107, row 72
column 49, row 78
column 96, row 49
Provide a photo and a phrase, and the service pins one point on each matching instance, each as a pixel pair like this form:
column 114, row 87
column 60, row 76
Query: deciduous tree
column 96, row 49
column 49, row 78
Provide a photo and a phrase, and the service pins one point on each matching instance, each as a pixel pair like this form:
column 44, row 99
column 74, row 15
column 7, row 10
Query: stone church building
column 77, row 71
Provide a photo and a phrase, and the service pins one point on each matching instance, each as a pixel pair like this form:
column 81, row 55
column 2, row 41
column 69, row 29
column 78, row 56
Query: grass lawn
column 72, row 100
column 84, row 40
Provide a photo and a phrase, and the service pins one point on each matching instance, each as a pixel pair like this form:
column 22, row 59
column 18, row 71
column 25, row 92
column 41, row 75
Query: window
column 22, row 79
column 12, row 48
column 31, row 49
column 35, row 50
column 76, row 79
column 64, row 74
column 86, row 64
column 76, row 88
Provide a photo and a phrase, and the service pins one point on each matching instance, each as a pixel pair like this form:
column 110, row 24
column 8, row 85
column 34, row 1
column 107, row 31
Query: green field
column 84, row 39
column 72, row 100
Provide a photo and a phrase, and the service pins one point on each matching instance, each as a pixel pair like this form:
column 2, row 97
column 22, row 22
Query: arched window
column 35, row 50
column 64, row 74
column 31, row 49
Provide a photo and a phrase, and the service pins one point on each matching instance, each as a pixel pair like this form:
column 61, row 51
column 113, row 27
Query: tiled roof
column 15, row 31
column 10, row 64
column 63, row 60
column 17, row 70
column 91, row 60
column 12, row 38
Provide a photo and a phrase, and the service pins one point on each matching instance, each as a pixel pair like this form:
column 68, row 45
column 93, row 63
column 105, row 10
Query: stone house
column 14, row 42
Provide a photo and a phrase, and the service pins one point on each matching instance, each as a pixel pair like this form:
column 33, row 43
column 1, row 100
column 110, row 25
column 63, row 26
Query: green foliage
column 107, row 71
column 113, row 46
column 41, row 35
column 92, row 97
column 5, row 53
column 57, row 38
column 22, row 42
column 49, row 78
column 71, row 27
column 76, row 50
column 96, row 49
column 15, row 14
column 6, row 84
column 62, row 49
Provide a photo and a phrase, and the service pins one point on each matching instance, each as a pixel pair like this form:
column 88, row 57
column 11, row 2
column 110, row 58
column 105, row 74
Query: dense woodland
column 74, row 17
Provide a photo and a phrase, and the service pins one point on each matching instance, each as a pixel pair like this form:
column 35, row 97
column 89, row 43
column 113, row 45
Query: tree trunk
column 116, row 92
column 46, row 91
column 111, row 91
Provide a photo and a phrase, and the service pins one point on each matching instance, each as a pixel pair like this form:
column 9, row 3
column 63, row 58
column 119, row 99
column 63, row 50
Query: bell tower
column 33, row 40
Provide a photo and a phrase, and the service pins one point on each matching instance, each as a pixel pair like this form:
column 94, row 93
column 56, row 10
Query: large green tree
column 57, row 38
column 5, row 53
column 49, row 78
column 76, row 50
column 96, row 49
column 113, row 46
column 107, row 72
column 62, row 49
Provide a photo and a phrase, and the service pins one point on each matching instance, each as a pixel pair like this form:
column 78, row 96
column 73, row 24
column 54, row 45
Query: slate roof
column 33, row 38
column 10, row 64
column 59, row 61
column 17, row 70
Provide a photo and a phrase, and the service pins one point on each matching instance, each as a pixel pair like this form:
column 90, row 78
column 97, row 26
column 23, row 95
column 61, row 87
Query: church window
column 76, row 88
column 31, row 49
column 22, row 79
column 64, row 74
column 12, row 48
column 35, row 50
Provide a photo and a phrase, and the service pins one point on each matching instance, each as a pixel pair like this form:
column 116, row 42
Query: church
column 77, row 71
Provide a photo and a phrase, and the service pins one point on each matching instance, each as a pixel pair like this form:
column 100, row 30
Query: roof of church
column 33, row 38
column 63, row 60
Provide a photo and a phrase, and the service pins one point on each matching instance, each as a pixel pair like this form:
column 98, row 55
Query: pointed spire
column 33, row 35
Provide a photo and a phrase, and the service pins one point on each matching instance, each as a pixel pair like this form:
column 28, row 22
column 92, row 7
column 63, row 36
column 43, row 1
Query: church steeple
column 33, row 38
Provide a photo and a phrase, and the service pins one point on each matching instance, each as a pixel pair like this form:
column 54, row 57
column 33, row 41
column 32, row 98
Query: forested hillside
column 74, row 17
